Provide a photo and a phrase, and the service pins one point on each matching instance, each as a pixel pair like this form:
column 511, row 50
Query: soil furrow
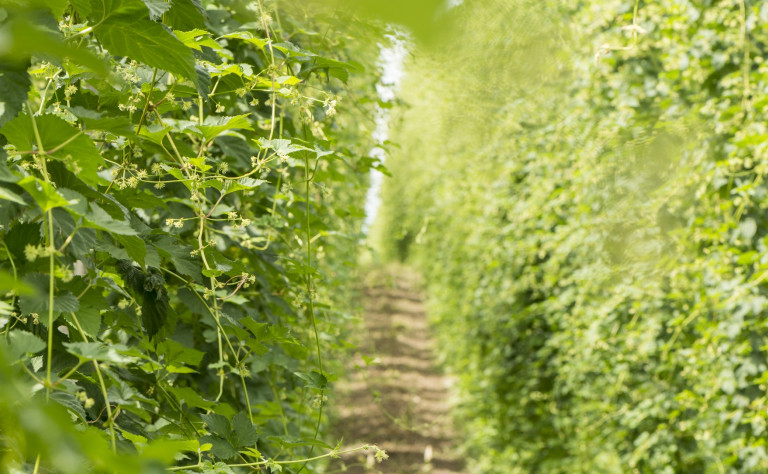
column 401, row 401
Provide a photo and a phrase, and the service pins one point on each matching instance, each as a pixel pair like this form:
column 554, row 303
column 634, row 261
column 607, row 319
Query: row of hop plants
column 179, row 206
column 584, row 191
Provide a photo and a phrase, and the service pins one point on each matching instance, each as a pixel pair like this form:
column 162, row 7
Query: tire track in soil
column 402, row 403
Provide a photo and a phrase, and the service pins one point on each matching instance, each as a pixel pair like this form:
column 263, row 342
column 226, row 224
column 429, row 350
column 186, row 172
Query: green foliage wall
column 179, row 192
column 583, row 186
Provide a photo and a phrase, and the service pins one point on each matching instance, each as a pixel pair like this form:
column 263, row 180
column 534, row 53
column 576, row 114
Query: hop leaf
column 150, row 288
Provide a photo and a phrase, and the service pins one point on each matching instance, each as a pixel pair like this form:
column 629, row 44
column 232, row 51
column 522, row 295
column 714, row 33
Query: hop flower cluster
column 378, row 453
column 32, row 252
column 177, row 223
column 83, row 398
column 330, row 105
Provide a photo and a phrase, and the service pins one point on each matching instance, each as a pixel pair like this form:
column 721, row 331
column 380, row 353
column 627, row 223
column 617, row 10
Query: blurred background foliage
column 582, row 184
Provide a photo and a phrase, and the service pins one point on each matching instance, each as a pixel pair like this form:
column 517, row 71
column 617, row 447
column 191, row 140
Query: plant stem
column 146, row 103
column 290, row 461
column 111, row 422
column 37, row 464
column 48, row 218
column 311, row 305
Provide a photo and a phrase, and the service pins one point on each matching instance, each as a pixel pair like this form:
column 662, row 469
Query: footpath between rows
column 398, row 400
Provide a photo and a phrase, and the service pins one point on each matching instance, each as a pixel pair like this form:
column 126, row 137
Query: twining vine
column 149, row 156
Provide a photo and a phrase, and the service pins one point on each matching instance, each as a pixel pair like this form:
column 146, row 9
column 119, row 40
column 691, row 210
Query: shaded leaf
column 14, row 86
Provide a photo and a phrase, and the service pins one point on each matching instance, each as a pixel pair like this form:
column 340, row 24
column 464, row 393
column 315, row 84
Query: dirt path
column 399, row 403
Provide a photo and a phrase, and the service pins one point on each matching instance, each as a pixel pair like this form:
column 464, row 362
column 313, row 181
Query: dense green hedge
column 582, row 185
column 180, row 202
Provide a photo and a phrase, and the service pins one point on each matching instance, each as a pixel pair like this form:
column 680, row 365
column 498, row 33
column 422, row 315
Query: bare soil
column 401, row 401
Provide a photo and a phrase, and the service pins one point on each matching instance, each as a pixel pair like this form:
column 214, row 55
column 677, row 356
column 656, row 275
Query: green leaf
column 20, row 343
column 135, row 247
column 216, row 125
column 69, row 401
column 78, row 204
column 138, row 199
column 281, row 146
column 89, row 313
column 14, row 86
column 97, row 218
column 178, row 353
column 221, row 448
column 83, row 7
column 112, row 250
column 292, row 51
column 191, row 397
column 196, row 39
column 217, row 424
column 66, row 303
column 125, row 30
column 9, row 195
column 8, row 283
column 186, row 15
column 6, row 175
column 157, row 8
column 28, row 32
column 337, row 69
column 43, row 193
column 173, row 369
column 155, row 133
column 242, row 183
column 298, row 443
column 100, row 11
column 203, row 80
column 200, row 163
column 245, row 432
column 260, row 330
column 192, row 302
column 93, row 120
column 166, row 450
column 99, row 351
column 137, row 440
column 248, row 37
column 61, row 141
column 56, row 7
column 313, row 379
column 288, row 80
column 38, row 303
column 178, row 253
